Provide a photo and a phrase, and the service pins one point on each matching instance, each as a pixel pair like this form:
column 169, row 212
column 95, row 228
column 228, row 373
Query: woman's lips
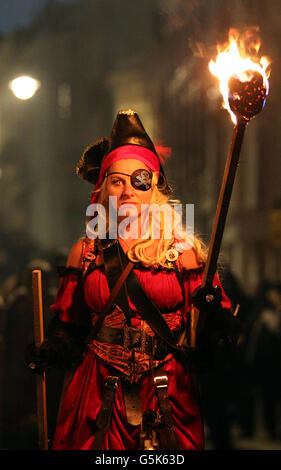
column 128, row 202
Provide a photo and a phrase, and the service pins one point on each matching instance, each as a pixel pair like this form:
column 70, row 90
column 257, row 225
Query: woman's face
column 119, row 184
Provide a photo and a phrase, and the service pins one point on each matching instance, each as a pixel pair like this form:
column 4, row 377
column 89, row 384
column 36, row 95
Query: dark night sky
column 18, row 13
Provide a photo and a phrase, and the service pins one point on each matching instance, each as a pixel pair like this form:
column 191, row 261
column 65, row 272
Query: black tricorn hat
column 127, row 130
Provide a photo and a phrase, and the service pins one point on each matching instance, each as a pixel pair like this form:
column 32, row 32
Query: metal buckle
column 161, row 381
column 111, row 382
column 107, row 245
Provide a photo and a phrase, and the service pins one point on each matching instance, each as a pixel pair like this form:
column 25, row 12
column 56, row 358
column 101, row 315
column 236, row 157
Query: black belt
column 134, row 338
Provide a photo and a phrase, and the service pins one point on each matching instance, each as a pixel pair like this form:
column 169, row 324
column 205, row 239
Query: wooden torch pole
column 40, row 379
column 222, row 208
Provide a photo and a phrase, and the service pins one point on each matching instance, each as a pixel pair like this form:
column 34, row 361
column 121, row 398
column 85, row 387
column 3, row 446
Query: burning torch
column 244, row 86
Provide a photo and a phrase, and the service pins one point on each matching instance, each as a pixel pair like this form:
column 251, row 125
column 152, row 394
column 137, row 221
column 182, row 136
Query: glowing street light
column 24, row 87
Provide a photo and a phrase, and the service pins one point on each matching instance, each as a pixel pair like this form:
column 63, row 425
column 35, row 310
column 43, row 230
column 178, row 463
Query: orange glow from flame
column 231, row 62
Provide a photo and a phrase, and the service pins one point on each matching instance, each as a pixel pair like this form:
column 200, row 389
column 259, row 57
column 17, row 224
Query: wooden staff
column 223, row 203
column 246, row 99
column 222, row 209
column 40, row 379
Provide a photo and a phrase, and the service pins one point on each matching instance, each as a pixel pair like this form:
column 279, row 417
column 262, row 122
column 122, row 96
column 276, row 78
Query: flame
column 234, row 62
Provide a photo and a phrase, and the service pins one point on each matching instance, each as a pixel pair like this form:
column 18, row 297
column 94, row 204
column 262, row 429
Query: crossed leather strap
column 116, row 262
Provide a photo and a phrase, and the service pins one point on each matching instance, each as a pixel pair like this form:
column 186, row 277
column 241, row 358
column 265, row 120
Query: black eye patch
column 140, row 179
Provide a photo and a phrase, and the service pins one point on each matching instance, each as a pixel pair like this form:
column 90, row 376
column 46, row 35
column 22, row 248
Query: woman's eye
column 118, row 182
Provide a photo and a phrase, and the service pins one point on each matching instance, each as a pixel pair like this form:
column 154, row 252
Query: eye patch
column 140, row 179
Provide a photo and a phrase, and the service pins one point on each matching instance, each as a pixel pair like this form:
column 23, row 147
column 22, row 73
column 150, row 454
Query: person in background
column 263, row 357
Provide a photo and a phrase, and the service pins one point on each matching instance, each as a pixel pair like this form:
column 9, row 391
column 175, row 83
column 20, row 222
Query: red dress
column 78, row 302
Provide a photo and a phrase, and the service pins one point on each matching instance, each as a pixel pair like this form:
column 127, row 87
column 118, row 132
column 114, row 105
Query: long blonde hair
column 139, row 251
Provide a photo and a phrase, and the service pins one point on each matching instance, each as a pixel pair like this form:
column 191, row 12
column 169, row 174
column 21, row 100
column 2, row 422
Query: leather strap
column 168, row 437
column 114, row 266
column 114, row 261
column 148, row 310
column 113, row 295
column 104, row 415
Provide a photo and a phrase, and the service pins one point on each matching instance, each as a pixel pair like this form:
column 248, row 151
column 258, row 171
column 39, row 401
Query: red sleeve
column 69, row 302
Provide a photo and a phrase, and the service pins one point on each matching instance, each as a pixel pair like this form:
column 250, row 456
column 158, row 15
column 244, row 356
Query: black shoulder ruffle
column 198, row 270
column 154, row 268
column 64, row 270
column 92, row 267
column 174, row 268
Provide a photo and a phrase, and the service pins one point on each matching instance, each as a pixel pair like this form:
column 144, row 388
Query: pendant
column 172, row 255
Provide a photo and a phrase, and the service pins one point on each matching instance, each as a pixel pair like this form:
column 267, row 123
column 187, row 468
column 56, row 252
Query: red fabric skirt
column 83, row 399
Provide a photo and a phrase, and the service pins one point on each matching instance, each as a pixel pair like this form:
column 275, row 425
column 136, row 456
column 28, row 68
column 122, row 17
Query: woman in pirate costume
column 123, row 308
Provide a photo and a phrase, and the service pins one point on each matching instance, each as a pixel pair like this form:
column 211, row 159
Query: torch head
column 243, row 80
column 247, row 98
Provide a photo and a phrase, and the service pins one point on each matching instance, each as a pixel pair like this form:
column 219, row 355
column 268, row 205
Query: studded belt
column 134, row 338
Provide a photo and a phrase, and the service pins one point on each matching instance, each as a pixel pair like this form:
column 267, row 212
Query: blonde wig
column 139, row 252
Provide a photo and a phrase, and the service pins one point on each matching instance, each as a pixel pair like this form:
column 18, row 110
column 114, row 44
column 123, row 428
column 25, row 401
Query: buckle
column 111, row 382
column 161, row 381
column 134, row 338
column 105, row 243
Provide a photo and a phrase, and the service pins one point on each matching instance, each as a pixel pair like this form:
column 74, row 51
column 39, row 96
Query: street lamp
column 24, row 87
